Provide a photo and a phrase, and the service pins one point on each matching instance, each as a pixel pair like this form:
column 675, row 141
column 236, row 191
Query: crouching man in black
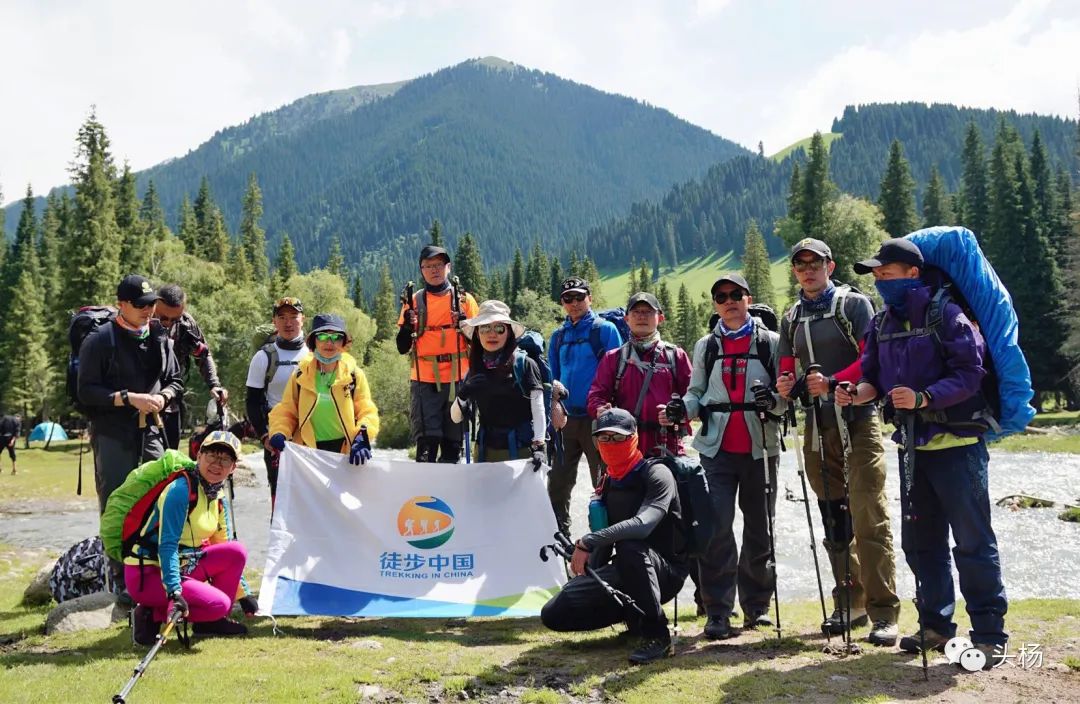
column 643, row 527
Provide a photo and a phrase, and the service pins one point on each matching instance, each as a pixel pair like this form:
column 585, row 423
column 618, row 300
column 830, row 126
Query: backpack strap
column 837, row 312
column 421, row 312
column 273, row 361
column 594, row 337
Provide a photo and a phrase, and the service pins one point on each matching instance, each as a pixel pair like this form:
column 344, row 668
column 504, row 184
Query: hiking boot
column 834, row 625
column 757, row 619
column 934, row 641
column 718, row 628
column 144, row 629
column 883, row 633
column 221, row 627
column 652, row 649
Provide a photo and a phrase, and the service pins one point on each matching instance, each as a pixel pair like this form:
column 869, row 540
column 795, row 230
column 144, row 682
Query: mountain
column 516, row 156
column 710, row 215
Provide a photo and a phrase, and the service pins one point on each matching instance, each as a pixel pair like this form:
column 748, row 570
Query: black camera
column 675, row 410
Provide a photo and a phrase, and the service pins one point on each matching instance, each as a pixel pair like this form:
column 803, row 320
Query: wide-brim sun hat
column 492, row 312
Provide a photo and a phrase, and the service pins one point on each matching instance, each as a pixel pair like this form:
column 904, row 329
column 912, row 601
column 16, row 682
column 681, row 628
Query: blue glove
column 360, row 451
column 277, row 441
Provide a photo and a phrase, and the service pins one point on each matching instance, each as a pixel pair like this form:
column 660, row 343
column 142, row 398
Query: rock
column 370, row 691
column 38, row 592
column 367, row 645
column 90, row 612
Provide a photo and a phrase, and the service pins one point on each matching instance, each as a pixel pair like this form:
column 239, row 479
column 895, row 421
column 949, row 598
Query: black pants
column 172, row 422
column 640, row 571
column 115, row 457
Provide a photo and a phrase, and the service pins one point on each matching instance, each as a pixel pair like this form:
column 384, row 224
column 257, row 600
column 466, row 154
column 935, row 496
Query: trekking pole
column 82, row 444
column 907, row 438
column 174, row 619
column 564, row 548
column 830, row 520
column 757, row 385
column 844, row 417
column 223, row 415
column 409, row 301
column 809, row 520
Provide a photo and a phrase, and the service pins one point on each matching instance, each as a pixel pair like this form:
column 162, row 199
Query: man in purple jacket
column 935, row 371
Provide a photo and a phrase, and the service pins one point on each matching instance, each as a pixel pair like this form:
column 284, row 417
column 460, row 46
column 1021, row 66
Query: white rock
column 90, row 612
column 370, row 691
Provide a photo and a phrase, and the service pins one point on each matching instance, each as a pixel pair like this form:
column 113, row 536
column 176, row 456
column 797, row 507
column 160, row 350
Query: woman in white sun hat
column 510, row 404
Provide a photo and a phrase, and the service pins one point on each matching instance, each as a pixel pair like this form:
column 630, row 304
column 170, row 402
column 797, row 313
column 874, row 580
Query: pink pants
column 209, row 590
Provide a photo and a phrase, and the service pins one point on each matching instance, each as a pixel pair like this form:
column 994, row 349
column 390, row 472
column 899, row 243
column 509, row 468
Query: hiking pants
column 577, row 440
column 641, row 572
column 209, row 590
column 437, row 437
column 114, row 458
column 873, row 565
column 8, row 442
column 950, row 491
column 173, row 422
column 723, row 568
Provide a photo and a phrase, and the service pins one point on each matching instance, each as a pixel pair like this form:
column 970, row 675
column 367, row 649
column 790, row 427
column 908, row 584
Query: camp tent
column 47, row 431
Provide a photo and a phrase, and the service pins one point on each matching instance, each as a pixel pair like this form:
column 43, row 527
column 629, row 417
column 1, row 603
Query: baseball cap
column 897, row 250
column 136, row 290
column 431, row 251
column 574, row 284
column 222, row 438
column 646, row 298
column 736, row 279
column 615, row 420
column 809, row 244
column 288, row 302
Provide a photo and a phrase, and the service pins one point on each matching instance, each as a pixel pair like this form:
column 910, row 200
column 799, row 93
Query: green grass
column 48, row 474
column 698, row 275
column 1059, row 418
column 1024, row 442
column 828, row 137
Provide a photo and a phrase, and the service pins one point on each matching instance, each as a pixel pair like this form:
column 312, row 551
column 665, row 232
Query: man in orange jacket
column 429, row 329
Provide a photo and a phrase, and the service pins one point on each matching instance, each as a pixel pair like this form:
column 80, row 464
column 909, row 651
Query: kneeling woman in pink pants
column 198, row 568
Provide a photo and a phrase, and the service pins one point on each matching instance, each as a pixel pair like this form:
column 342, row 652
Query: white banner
column 396, row 538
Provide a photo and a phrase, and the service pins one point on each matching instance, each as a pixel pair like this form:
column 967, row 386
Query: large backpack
column 615, row 316
column 836, row 312
column 80, row 571
column 667, row 349
column 531, row 346
column 128, row 507
column 696, row 524
column 762, row 351
column 83, row 322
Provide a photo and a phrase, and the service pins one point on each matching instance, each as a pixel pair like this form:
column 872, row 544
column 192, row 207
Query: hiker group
column 605, row 386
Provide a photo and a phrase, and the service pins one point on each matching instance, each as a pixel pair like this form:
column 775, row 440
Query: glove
column 539, row 457
column 249, row 605
column 360, row 452
column 472, row 384
column 277, row 441
column 763, row 399
column 178, row 604
column 675, row 410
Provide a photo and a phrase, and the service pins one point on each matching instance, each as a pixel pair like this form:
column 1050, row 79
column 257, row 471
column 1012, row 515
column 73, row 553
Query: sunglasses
column 811, row 264
column 287, row 301
column 329, row 336
column 573, row 297
column 143, row 306
column 611, row 437
column 722, row 297
column 497, row 328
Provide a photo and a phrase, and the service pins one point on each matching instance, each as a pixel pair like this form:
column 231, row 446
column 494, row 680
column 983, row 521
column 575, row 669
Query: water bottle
column 598, row 519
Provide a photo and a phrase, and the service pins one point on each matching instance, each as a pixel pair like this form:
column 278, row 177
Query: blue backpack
column 531, row 346
column 615, row 316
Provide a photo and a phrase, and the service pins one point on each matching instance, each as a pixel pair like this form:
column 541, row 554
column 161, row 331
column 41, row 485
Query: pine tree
column 688, row 330
column 1006, row 215
column 517, row 279
column 238, row 268
column 975, row 206
column 936, row 209
column 755, row 266
column 469, row 266
column 25, row 238
column 590, row 273
column 632, row 286
column 435, row 234
column 817, row 189
column 213, row 237
column 28, row 374
column 285, row 266
column 644, row 281
column 1045, row 189
column 335, row 261
column 536, row 272
column 252, row 236
column 95, row 243
column 555, row 278
column 386, row 306
column 358, row 293
column 134, row 243
column 897, row 199
column 49, row 247
column 663, row 297
column 188, row 228
column 794, row 197
column 1061, row 233
column 150, row 212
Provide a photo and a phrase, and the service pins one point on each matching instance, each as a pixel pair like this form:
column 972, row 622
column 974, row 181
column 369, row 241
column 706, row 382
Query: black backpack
column 767, row 317
column 80, row 571
column 696, row 524
column 83, row 322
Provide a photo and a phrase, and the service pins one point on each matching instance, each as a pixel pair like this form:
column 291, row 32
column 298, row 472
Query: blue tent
column 43, row 431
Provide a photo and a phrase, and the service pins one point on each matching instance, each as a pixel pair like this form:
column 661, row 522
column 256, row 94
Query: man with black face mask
column 268, row 373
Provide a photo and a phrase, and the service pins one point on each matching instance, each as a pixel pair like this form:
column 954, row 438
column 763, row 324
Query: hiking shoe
column 934, row 641
column 144, row 629
column 221, row 627
column 883, row 633
column 652, row 649
column 718, row 628
column 757, row 620
column 834, row 625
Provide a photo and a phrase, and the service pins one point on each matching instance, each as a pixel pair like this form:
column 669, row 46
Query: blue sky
column 165, row 77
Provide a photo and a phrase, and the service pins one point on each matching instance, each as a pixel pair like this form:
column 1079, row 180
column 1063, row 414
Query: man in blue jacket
column 574, row 352
column 934, row 371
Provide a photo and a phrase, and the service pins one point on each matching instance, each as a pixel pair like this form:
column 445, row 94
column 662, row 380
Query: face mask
column 327, row 360
column 894, row 291
column 620, row 457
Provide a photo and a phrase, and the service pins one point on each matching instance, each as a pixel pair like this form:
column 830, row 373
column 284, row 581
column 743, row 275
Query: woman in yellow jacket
column 327, row 403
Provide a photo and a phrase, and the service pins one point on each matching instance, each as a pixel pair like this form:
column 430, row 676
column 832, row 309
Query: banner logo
column 425, row 522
